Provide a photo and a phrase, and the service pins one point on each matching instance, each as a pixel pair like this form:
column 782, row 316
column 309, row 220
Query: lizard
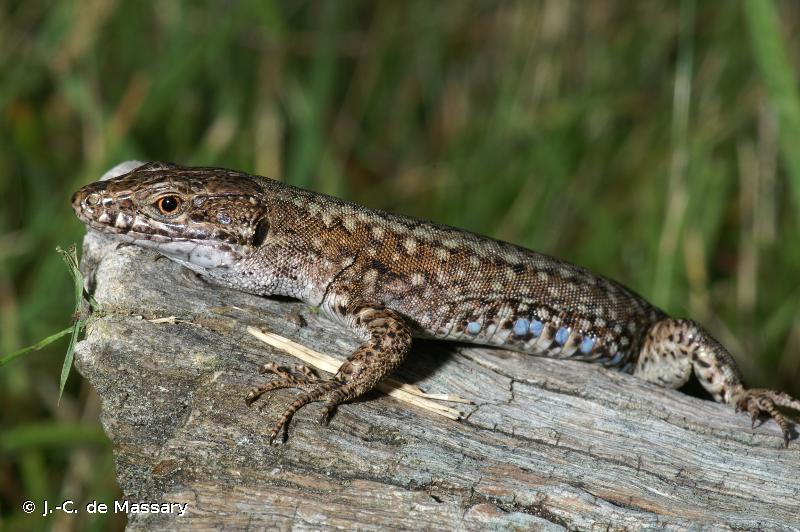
column 390, row 278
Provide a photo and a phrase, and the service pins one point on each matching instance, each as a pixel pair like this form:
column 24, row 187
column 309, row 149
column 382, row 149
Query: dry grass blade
column 172, row 320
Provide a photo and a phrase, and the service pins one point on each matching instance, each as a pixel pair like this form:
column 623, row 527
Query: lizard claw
column 760, row 402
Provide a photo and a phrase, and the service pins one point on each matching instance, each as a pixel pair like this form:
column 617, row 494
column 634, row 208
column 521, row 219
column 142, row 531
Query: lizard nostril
column 92, row 199
column 81, row 200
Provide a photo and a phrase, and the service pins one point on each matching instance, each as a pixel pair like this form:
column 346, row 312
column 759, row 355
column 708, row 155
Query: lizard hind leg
column 388, row 340
column 673, row 349
column 664, row 358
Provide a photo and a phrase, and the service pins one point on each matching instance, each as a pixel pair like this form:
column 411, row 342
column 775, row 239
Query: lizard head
column 204, row 218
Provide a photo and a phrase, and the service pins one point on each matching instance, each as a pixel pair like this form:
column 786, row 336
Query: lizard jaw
column 201, row 256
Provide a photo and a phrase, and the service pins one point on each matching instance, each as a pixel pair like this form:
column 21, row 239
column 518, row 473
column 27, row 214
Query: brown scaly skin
column 390, row 277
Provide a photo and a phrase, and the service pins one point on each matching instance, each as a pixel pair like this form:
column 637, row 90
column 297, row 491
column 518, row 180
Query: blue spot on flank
column 521, row 327
column 587, row 345
column 473, row 327
column 562, row 335
column 537, row 327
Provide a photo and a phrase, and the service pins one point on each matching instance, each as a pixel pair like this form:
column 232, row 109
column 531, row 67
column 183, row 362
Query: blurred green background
column 657, row 142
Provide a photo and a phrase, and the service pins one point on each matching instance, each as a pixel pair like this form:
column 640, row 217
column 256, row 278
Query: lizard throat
column 204, row 257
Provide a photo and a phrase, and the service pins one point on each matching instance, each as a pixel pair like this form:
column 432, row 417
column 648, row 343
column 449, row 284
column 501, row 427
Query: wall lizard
column 390, row 278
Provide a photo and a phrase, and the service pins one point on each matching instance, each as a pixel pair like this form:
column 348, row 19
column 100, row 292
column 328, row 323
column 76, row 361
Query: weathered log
column 548, row 444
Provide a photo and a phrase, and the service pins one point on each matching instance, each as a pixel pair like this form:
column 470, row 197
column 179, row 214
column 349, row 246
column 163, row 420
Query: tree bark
column 548, row 444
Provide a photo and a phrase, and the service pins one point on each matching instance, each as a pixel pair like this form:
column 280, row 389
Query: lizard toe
column 761, row 403
column 298, row 371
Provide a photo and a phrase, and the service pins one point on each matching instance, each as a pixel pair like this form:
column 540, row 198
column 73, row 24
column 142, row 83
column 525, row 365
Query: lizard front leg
column 387, row 341
column 673, row 349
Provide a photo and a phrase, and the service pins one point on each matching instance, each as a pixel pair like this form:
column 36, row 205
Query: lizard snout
column 89, row 200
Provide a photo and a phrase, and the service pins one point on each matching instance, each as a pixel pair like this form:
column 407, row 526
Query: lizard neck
column 303, row 252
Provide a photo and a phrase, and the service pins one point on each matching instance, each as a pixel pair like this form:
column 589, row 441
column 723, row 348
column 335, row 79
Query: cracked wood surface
column 548, row 445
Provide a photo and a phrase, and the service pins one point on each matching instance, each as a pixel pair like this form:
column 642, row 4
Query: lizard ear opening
column 260, row 234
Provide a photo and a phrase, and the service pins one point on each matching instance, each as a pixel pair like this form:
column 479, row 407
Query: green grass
column 653, row 141
column 781, row 84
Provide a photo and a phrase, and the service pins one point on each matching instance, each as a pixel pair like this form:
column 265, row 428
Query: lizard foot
column 332, row 391
column 760, row 402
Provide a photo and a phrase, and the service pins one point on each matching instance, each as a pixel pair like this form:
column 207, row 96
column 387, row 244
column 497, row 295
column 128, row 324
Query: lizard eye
column 168, row 204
